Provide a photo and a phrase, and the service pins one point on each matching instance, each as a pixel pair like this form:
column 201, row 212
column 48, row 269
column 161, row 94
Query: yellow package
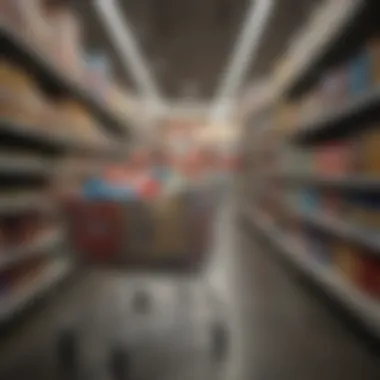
column 346, row 260
column 78, row 123
column 20, row 99
column 374, row 51
column 370, row 151
column 170, row 237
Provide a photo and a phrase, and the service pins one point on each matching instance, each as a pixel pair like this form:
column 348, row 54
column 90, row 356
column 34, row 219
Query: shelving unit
column 365, row 308
column 346, row 230
column 343, row 182
column 66, row 125
column 56, row 272
column 317, row 43
column 51, row 142
column 43, row 245
column 13, row 165
column 46, row 72
column 338, row 121
column 316, row 149
column 27, row 201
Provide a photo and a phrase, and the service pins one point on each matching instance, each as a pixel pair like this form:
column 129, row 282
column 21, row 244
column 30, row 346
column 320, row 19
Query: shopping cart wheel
column 67, row 350
column 119, row 363
column 142, row 302
column 219, row 340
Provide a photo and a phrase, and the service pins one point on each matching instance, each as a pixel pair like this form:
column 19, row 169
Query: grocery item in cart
column 171, row 234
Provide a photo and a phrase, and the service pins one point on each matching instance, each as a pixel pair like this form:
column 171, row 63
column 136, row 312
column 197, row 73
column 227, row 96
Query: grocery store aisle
column 281, row 330
column 277, row 329
column 288, row 333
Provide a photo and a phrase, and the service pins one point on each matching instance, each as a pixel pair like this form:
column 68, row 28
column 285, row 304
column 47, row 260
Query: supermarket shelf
column 338, row 24
column 45, row 244
column 45, row 69
column 360, row 183
column 26, row 134
column 21, row 203
column 342, row 119
column 32, row 136
column 23, row 297
column 365, row 308
column 16, row 166
column 348, row 231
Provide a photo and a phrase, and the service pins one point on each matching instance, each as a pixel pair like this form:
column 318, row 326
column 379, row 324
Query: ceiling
column 188, row 44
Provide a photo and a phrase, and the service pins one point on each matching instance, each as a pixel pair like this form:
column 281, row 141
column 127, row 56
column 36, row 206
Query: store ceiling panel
column 188, row 44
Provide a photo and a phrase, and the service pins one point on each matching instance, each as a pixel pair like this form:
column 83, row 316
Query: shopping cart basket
column 170, row 234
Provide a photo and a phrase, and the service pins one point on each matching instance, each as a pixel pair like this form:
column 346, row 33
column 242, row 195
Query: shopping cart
column 169, row 235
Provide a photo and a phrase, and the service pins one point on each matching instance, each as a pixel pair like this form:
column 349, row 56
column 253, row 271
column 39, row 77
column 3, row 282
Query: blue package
column 360, row 73
column 94, row 188
column 309, row 200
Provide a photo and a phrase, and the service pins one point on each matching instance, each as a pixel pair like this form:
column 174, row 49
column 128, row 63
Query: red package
column 149, row 189
column 369, row 275
column 97, row 229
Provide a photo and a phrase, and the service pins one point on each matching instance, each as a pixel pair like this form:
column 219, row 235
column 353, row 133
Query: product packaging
column 21, row 101
column 369, row 275
column 346, row 260
column 370, row 152
column 360, row 74
column 374, row 52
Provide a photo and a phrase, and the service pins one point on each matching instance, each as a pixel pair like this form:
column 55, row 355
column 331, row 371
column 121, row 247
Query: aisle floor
column 278, row 330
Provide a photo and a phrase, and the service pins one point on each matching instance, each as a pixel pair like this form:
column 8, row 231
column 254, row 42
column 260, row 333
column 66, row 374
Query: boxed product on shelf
column 357, row 210
column 334, row 158
column 332, row 203
column 347, row 260
column 79, row 124
column 365, row 211
column 374, row 52
column 369, row 152
column 369, row 274
column 309, row 200
column 20, row 100
column 360, row 73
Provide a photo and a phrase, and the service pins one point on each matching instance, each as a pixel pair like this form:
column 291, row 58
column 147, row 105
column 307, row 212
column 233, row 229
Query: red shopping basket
column 96, row 230
column 166, row 234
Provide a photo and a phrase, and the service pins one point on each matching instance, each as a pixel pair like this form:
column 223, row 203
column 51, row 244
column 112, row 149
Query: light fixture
column 128, row 50
column 244, row 53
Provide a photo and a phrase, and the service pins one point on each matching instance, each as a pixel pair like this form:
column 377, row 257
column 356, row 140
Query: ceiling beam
column 126, row 46
column 244, row 53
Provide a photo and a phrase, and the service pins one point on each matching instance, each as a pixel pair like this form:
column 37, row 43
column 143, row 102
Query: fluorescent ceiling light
column 125, row 44
column 245, row 52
